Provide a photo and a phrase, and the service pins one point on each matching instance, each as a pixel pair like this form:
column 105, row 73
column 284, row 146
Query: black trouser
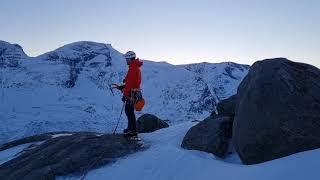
column 129, row 109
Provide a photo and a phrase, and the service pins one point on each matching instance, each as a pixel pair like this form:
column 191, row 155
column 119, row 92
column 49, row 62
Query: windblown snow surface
column 166, row 160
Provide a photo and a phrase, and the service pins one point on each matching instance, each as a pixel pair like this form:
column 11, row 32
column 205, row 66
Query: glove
column 123, row 99
column 121, row 87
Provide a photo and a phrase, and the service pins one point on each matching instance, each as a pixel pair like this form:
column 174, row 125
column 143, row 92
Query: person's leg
column 133, row 121
column 131, row 116
column 127, row 110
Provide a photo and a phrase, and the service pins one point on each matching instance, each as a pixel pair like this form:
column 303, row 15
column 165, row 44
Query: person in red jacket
column 132, row 83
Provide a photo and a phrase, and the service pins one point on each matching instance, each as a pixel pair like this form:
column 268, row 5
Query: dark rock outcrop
column 149, row 123
column 62, row 155
column 278, row 111
column 211, row 135
column 227, row 107
column 213, row 114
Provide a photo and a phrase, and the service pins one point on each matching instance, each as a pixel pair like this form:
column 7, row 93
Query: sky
column 175, row 31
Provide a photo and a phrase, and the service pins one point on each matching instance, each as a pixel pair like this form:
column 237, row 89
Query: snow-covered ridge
column 10, row 54
column 67, row 89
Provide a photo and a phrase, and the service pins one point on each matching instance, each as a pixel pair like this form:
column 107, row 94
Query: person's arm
column 129, row 82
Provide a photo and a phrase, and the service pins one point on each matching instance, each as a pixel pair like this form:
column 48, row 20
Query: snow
column 215, row 76
column 9, row 154
column 60, row 135
column 14, row 152
column 165, row 159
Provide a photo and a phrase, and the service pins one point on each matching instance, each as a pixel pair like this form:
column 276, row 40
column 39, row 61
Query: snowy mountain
column 222, row 79
column 68, row 89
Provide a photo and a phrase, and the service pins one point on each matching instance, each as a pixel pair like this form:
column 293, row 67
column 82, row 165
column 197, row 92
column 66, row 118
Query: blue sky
column 175, row 31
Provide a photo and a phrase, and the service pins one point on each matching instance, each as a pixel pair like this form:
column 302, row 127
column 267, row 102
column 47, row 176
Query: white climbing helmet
column 130, row 55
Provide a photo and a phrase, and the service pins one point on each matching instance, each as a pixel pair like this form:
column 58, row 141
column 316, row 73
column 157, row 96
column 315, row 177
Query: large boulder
column 227, row 107
column 278, row 111
column 62, row 154
column 149, row 123
column 210, row 135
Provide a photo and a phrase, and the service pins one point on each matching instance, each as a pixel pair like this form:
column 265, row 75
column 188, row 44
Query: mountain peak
column 81, row 45
column 11, row 54
column 81, row 50
column 5, row 45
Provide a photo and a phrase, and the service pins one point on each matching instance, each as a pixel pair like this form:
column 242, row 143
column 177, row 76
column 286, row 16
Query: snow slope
column 68, row 89
column 165, row 159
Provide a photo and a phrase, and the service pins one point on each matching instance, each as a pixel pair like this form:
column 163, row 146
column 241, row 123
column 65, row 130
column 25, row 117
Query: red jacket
column 133, row 77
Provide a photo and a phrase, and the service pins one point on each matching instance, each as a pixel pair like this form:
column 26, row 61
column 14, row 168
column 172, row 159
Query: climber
column 130, row 91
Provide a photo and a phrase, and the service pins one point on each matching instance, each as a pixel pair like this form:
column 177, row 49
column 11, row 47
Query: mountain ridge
column 68, row 89
column 108, row 46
